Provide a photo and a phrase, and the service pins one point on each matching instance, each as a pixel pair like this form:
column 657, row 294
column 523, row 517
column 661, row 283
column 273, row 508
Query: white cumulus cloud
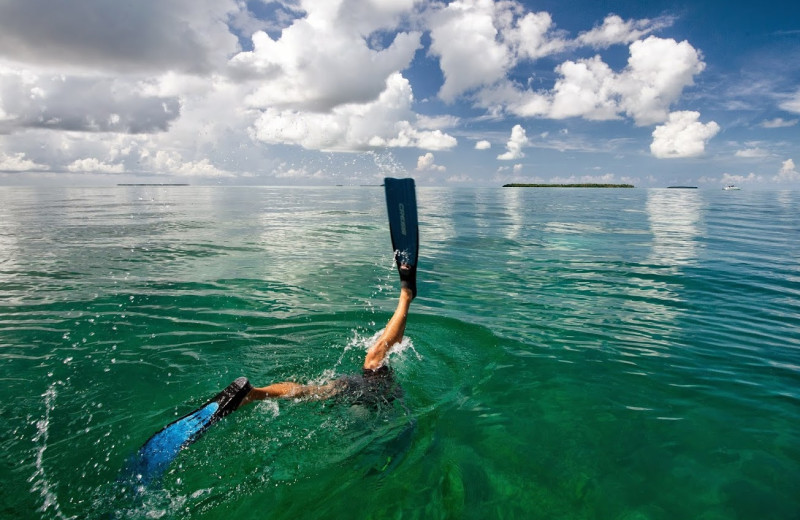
column 328, row 83
column 788, row 172
column 94, row 165
column 515, row 144
column 728, row 178
column 464, row 37
column 658, row 71
column 427, row 162
column 534, row 36
column 586, row 88
column 387, row 121
column 284, row 171
column 19, row 163
column 324, row 60
column 682, row 136
column 483, row 145
column 480, row 42
column 459, row 179
column 171, row 162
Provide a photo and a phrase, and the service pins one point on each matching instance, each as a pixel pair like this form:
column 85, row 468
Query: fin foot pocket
column 408, row 277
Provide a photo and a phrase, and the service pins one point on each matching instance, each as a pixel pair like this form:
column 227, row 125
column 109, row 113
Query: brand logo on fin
column 402, row 218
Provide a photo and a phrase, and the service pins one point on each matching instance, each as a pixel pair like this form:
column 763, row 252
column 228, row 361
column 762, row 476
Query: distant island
column 150, row 184
column 516, row 185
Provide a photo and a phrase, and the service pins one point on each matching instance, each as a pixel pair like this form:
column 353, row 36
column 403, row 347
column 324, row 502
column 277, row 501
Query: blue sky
column 465, row 93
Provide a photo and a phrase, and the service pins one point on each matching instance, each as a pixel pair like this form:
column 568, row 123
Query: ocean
column 623, row 354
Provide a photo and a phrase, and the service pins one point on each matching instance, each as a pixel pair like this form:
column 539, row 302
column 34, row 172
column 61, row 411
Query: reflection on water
column 676, row 223
column 515, row 208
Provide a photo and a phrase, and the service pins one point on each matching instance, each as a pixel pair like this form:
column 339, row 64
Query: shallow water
column 589, row 354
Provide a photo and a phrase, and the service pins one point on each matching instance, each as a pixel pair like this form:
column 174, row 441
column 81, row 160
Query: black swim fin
column 401, row 204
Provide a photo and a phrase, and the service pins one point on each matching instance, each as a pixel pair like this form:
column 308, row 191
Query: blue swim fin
column 153, row 459
column 401, row 204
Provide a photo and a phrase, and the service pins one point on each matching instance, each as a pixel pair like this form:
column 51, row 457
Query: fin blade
column 401, row 204
column 155, row 456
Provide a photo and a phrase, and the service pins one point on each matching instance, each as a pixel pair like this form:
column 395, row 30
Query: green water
column 586, row 354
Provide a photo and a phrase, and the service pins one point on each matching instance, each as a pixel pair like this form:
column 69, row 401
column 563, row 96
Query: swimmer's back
column 373, row 388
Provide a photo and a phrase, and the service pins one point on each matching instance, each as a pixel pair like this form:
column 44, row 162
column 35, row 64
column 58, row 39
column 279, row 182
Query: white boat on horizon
column 731, row 187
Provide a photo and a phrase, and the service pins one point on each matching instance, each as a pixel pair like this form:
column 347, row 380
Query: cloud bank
column 148, row 36
column 208, row 88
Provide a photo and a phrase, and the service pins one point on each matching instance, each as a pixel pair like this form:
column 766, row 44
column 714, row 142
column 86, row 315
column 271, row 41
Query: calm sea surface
column 581, row 354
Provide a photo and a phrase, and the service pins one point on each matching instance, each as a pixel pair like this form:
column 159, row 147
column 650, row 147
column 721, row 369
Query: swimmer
column 373, row 387
column 376, row 375
column 376, row 381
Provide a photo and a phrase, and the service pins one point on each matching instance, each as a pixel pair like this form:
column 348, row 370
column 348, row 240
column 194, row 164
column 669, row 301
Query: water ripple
column 572, row 353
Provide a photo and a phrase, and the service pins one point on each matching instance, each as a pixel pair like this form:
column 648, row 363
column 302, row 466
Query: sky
column 460, row 93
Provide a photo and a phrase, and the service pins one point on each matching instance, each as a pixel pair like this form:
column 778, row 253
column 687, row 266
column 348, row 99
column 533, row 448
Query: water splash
column 39, row 479
column 387, row 164
column 398, row 351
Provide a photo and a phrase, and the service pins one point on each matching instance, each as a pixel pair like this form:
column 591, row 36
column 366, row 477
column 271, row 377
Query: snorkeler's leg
column 393, row 333
column 288, row 390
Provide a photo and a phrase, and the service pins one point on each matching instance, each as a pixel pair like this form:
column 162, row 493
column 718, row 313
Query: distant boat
column 731, row 187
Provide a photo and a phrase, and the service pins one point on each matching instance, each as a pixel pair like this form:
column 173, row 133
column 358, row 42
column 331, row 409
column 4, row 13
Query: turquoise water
column 586, row 354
